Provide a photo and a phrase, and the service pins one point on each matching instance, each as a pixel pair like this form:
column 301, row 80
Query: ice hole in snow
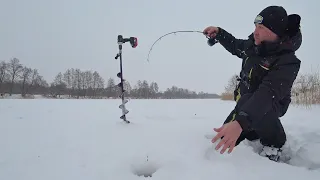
column 146, row 168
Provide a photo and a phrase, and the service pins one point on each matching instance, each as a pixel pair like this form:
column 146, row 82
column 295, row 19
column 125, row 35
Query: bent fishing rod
column 210, row 41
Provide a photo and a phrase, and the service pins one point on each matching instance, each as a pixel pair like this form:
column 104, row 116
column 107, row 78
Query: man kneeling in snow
column 263, row 93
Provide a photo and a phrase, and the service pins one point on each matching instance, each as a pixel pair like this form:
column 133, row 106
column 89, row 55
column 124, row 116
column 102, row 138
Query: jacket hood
column 293, row 40
column 293, row 43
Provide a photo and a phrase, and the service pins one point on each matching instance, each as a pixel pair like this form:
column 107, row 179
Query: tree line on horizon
column 15, row 78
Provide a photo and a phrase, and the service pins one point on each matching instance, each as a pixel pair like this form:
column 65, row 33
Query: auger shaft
column 133, row 41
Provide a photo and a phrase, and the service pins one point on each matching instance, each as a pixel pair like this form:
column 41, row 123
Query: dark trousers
column 268, row 130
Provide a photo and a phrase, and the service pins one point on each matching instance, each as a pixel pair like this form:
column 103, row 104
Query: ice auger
column 134, row 43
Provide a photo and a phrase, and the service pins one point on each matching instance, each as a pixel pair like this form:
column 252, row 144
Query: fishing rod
column 210, row 41
column 134, row 43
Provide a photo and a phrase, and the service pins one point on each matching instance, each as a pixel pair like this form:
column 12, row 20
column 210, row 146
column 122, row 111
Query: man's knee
column 252, row 135
column 271, row 130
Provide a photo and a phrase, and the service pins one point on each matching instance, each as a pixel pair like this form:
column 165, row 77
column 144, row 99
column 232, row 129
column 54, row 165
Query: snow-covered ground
column 48, row 139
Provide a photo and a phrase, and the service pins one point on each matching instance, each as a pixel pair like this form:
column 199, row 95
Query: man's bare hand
column 230, row 133
column 211, row 31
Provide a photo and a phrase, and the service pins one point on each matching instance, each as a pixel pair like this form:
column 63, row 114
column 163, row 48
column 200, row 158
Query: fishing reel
column 133, row 41
column 212, row 41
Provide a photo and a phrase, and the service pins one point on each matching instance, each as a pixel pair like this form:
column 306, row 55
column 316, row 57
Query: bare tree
column 229, row 89
column 83, row 83
column 14, row 70
column 58, row 86
column 111, row 88
column 26, row 75
column 96, row 77
column 41, row 82
column 232, row 84
column 154, row 88
column 74, row 82
column 3, row 72
column 146, row 92
column 58, row 79
column 34, row 76
column 127, row 87
column 100, row 86
column 78, row 81
column 89, row 83
column 67, row 78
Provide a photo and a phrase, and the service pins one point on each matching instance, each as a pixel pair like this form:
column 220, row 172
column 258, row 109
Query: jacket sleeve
column 230, row 43
column 274, row 87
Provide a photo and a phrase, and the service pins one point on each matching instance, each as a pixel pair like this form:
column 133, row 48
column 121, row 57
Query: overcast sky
column 54, row 35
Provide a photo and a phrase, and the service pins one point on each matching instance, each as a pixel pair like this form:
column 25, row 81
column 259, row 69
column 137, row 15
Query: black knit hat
column 274, row 18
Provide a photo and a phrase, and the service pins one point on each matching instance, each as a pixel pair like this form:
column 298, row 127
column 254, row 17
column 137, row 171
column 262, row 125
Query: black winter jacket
column 268, row 72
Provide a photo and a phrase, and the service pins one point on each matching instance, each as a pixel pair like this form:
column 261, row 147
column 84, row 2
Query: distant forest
column 15, row 78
